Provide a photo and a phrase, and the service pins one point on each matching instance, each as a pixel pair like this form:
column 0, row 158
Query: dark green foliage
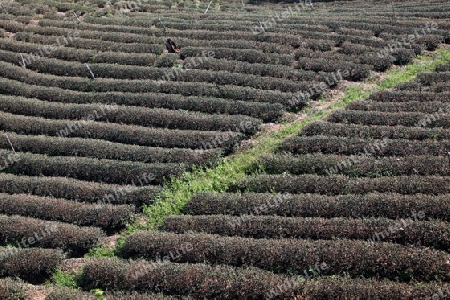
column 359, row 146
column 156, row 117
column 81, row 191
column 266, row 111
column 127, row 134
column 63, row 146
column 374, row 132
column 385, row 259
column 403, row 56
column 431, row 41
column 258, row 69
column 248, row 55
column 91, row 169
column 385, row 205
column 198, row 280
column 434, row 234
column 354, row 165
column 33, row 265
column 108, row 217
column 356, row 72
column 408, row 96
column 102, row 85
column 48, row 234
column 431, row 78
column 442, row 68
column 339, row 184
column 415, row 119
column 411, row 106
column 234, row 283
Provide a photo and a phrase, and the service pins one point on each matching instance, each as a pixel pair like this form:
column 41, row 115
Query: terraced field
column 99, row 122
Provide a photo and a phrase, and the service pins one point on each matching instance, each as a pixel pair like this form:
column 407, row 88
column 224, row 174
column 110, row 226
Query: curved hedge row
column 34, row 265
column 385, row 259
column 180, row 279
column 358, row 146
column 143, row 86
column 91, row 169
column 339, row 184
column 412, row 106
column 64, row 53
column 27, row 232
column 415, row 119
column 132, row 115
column 430, row 78
column 384, row 205
column 185, row 74
column 248, row 55
column 94, row 44
column 91, row 32
column 77, row 190
column 224, row 282
column 108, row 217
column 268, row 112
column 434, row 234
column 374, row 132
column 354, row 165
column 409, row 96
column 62, row 146
column 127, row 134
column 356, row 72
column 258, row 69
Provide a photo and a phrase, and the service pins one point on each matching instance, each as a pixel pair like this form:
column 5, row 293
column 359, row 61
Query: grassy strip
column 178, row 191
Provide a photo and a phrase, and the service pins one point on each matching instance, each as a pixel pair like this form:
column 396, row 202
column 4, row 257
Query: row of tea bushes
column 234, row 283
column 434, row 234
column 258, row 69
column 132, row 115
column 358, row 146
column 387, row 260
column 33, row 265
column 340, row 184
column 127, row 134
column 409, row 96
column 101, row 85
column 430, row 78
column 63, row 146
column 415, row 119
column 247, row 55
column 411, row 106
column 90, row 169
column 374, row 132
column 27, row 232
column 108, row 217
column 64, row 53
column 384, row 205
column 78, row 190
column 268, row 112
column 354, row 165
column 356, row 72
column 94, row 44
